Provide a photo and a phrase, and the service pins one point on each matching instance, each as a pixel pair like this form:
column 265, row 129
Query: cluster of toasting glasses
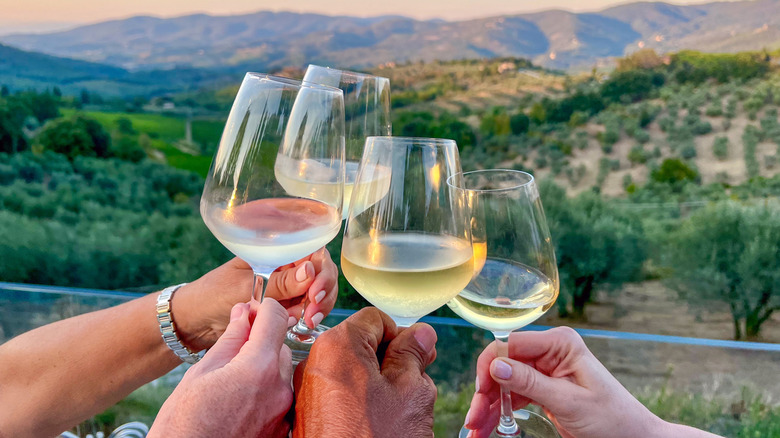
column 297, row 157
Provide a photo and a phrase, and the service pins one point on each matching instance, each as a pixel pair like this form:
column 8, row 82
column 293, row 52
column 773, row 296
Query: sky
column 48, row 15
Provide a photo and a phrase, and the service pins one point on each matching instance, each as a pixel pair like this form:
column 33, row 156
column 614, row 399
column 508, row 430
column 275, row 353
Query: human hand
column 241, row 387
column 555, row 370
column 365, row 377
column 201, row 308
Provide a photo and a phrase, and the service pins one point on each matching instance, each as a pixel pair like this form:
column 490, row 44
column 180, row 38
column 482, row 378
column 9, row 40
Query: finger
column 525, row 380
column 285, row 364
column 485, row 383
column 320, row 303
column 489, row 421
column 268, row 329
column 479, row 414
column 229, row 344
column 290, row 283
column 546, row 349
column 298, row 377
column 411, row 351
column 363, row 332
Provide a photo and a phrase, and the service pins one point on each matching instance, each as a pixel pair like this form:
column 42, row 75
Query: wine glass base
column 532, row 425
column 300, row 343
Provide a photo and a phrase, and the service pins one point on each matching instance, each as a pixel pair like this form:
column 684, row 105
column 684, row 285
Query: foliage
column 631, row 85
column 75, row 136
column 720, row 147
column 519, row 123
column 69, row 221
column 425, row 124
column 721, row 255
column 597, row 246
column 696, row 67
column 674, row 172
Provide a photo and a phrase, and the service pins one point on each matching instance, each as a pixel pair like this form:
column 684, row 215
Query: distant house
column 168, row 106
column 506, row 66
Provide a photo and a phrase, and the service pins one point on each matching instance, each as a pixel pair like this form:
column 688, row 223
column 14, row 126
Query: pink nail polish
column 319, row 296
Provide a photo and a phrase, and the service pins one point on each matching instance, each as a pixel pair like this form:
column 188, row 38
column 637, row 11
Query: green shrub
column 720, row 147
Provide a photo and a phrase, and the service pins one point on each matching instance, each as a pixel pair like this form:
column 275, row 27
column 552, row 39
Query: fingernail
column 466, row 421
column 317, row 318
column 236, row 312
column 471, row 434
column 476, row 385
column 291, row 321
column 502, row 370
column 319, row 297
column 426, row 337
column 303, row 272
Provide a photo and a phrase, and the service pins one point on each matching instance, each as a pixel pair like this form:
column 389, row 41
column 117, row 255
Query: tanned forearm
column 58, row 375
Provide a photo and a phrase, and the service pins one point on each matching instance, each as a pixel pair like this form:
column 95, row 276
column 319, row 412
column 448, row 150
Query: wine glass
column 515, row 272
column 366, row 111
column 263, row 209
column 407, row 244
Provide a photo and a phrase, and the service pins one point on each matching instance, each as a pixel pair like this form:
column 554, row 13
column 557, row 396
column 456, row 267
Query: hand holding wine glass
column 515, row 278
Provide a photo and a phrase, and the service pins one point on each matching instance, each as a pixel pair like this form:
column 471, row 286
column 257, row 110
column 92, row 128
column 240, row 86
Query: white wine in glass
column 248, row 208
column 408, row 250
column 515, row 277
column 366, row 111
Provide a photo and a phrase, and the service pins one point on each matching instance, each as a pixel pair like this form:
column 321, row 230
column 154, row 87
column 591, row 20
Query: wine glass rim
column 293, row 82
column 348, row 72
column 531, row 180
column 393, row 138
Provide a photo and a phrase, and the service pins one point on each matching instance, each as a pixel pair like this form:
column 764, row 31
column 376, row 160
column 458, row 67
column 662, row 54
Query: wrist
column 194, row 330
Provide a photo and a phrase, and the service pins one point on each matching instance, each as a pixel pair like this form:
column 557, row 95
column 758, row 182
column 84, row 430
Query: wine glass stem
column 301, row 328
column 259, row 286
column 507, row 426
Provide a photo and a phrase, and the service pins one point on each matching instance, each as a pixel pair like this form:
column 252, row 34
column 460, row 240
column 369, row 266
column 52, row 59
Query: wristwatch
column 168, row 328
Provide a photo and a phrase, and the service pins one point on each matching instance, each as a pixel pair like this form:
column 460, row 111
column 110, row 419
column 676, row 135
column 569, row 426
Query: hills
column 30, row 70
column 555, row 38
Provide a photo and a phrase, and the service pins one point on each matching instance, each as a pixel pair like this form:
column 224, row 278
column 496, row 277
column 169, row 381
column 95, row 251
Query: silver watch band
column 167, row 327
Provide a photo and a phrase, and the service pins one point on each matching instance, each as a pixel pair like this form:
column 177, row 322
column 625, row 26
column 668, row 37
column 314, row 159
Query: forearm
column 60, row 374
column 673, row 430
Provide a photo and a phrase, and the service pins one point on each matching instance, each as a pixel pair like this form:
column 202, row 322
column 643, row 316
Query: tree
column 519, row 123
column 75, row 136
column 728, row 253
column 673, row 171
column 12, row 115
column 4, row 91
column 596, row 246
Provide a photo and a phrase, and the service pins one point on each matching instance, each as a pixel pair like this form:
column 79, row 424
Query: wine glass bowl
column 262, row 208
column 367, row 113
column 407, row 244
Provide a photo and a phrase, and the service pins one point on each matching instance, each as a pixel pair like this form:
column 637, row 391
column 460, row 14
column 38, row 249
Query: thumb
column 526, row 381
column 231, row 341
column 412, row 350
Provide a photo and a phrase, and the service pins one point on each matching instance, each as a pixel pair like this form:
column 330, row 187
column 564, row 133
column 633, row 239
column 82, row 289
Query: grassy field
column 165, row 133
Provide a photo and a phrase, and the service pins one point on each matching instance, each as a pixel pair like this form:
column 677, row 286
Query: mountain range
column 265, row 40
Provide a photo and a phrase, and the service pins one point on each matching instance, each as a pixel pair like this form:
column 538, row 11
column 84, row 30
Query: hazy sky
column 47, row 14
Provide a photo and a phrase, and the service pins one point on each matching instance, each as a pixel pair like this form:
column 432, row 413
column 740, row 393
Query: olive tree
column 597, row 246
column 729, row 253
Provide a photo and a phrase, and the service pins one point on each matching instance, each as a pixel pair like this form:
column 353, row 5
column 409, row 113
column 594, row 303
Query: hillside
column 21, row 70
column 556, row 39
column 619, row 146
